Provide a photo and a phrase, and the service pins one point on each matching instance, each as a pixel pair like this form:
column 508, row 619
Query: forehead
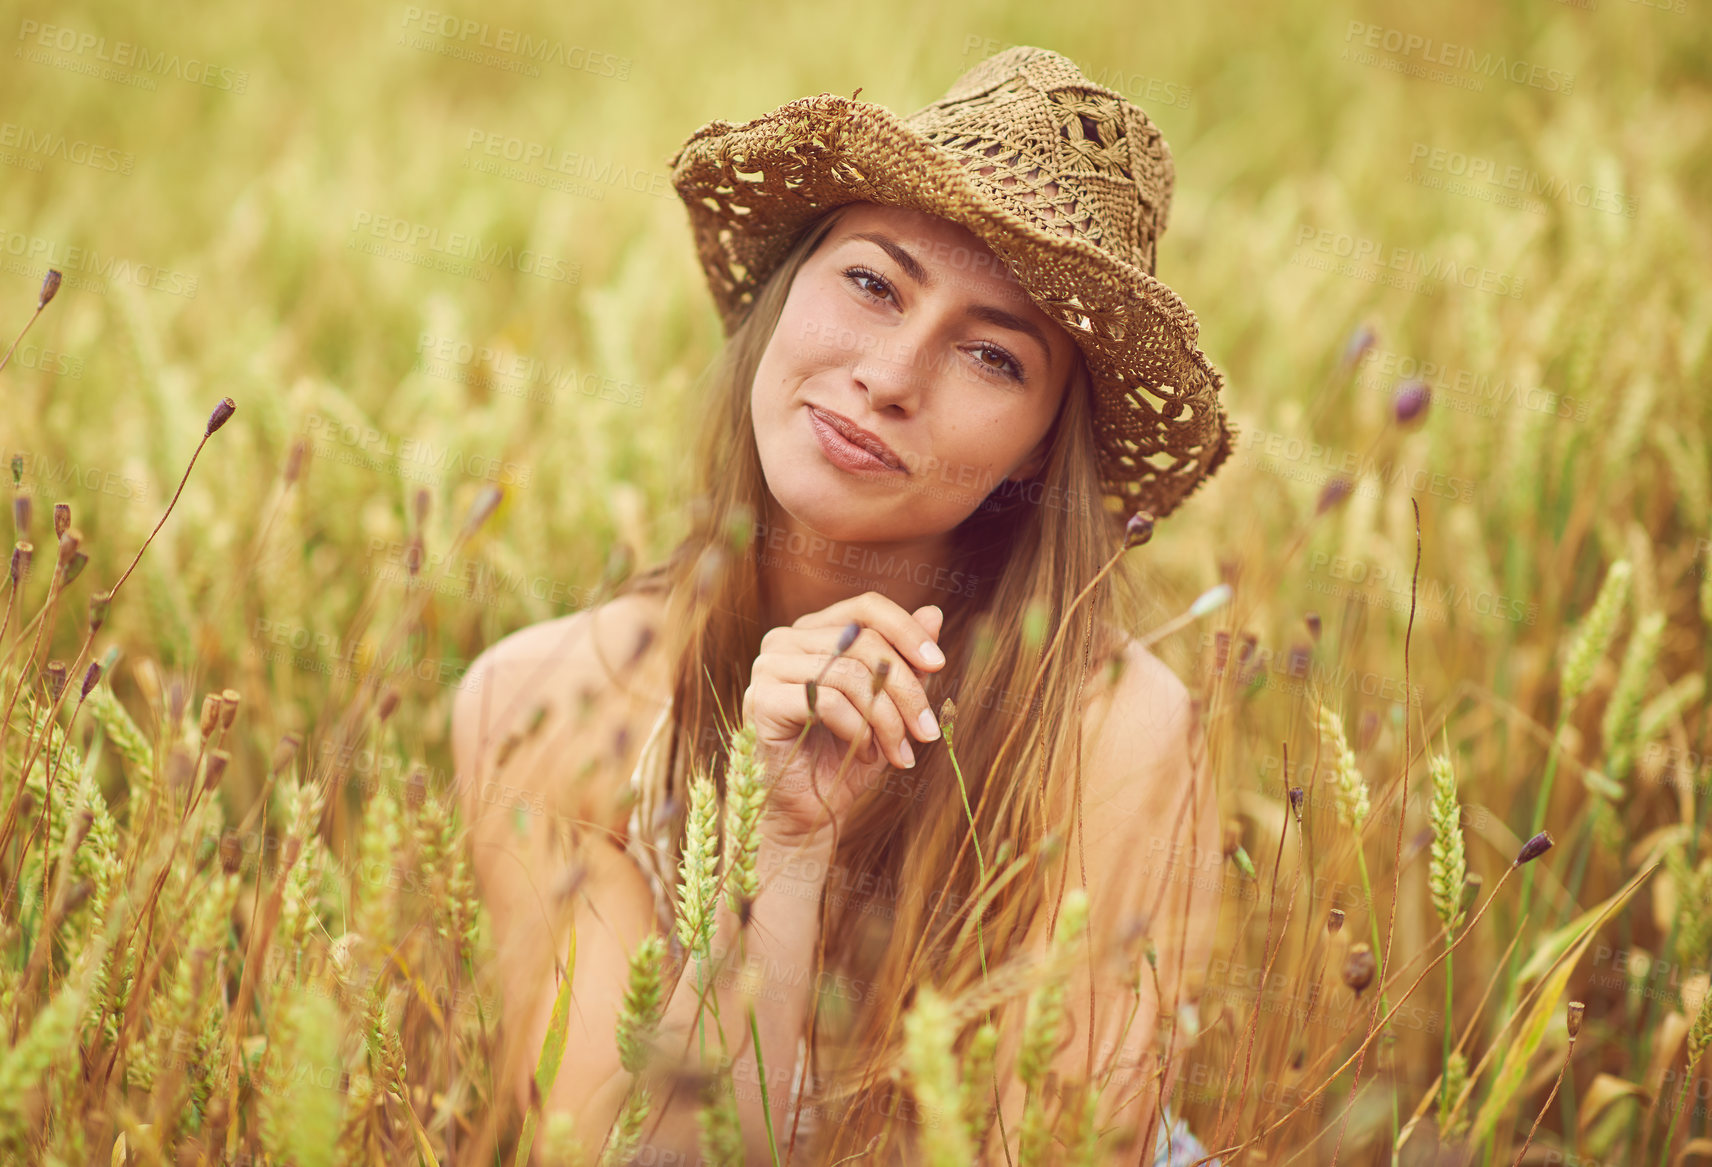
column 955, row 259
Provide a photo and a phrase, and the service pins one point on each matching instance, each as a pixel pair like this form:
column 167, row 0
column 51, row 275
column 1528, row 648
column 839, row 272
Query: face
column 906, row 326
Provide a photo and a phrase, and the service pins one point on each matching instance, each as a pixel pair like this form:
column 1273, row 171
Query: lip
column 850, row 446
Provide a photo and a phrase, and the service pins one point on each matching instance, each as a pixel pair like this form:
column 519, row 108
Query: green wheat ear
column 1623, row 714
column 721, row 1135
column 929, row 1033
column 745, row 794
column 698, row 869
column 1593, row 637
column 644, row 998
column 1348, row 785
column 1449, row 867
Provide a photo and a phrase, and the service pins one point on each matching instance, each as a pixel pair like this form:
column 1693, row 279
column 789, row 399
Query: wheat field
column 412, row 288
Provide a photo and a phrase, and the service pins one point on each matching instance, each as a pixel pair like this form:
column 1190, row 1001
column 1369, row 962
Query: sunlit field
column 1451, row 260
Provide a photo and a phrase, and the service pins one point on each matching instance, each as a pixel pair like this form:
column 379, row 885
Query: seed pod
column 1358, row 968
column 1534, row 848
column 231, row 854
column 99, row 605
column 294, row 461
column 1334, row 492
column 947, row 715
column 221, row 415
column 1334, row 921
column 413, row 556
column 50, row 288
column 1572, row 1018
column 1312, row 620
column 848, row 637
column 419, row 505
column 21, row 556
column 17, row 469
column 1138, row 530
column 70, row 540
column 1409, row 404
column 388, row 703
column 91, row 677
column 210, row 719
column 22, row 512
column 1296, row 794
column 55, row 679
column 877, row 680
column 229, row 699
column 284, row 752
column 218, row 760
column 176, row 699
column 62, row 519
column 74, row 568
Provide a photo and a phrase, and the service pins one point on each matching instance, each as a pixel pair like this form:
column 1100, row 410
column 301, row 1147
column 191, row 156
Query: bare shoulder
column 1140, row 753
column 554, row 682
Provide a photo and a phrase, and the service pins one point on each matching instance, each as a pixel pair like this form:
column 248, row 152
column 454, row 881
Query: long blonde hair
column 905, row 877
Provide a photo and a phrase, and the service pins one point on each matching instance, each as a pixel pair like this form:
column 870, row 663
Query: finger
column 913, row 639
column 784, row 705
column 852, row 676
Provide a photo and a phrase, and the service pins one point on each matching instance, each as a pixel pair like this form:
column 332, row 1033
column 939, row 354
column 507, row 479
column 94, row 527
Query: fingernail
column 929, row 726
column 930, row 651
column 909, row 755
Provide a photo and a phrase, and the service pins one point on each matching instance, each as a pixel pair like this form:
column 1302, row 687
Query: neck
column 802, row 571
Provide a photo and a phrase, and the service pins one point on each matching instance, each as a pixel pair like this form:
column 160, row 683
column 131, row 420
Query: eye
column 857, row 274
column 1011, row 367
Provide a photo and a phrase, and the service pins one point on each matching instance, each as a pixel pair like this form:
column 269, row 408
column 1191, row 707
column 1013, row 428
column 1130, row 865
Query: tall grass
column 237, row 916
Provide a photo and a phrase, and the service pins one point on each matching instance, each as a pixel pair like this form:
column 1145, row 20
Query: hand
column 847, row 709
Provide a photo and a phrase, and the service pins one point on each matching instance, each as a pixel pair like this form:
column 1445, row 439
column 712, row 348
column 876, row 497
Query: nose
column 893, row 371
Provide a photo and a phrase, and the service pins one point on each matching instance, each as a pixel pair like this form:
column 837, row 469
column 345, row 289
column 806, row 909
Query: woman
column 952, row 394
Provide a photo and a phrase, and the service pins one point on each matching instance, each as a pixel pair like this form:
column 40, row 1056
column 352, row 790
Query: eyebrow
column 988, row 313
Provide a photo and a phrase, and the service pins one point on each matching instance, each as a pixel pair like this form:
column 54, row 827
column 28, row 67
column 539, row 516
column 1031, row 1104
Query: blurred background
column 1453, row 256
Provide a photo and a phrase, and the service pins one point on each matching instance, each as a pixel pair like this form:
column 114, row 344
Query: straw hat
column 1067, row 182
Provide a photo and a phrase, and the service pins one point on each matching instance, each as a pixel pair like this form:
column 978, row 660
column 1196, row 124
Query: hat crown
column 1061, row 152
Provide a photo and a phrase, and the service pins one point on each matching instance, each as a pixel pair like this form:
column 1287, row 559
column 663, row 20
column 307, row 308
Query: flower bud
column 21, row 556
column 50, row 288
column 17, row 469
column 284, row 752
column 62, row 519
column 99, row 605
column 848, row 637
column 1334, row 921
column 1312, row 620
column 419, row 505
column 229, row 699
column 1138, row 530
column 210, row 719
column 221, row 415
column 947, row 715
column 22, row 512
column 74, row 568
column 215, row 770
column 294, row 461
column 1409, row 404
column 1572, row 1018
column 413, row 556
column 1358, row 968
column 1534, row 848
column 91, row 677
column 1333, row 493
column 878, row 678
column 388, row 703
column 55, row 679
column 1296, row 794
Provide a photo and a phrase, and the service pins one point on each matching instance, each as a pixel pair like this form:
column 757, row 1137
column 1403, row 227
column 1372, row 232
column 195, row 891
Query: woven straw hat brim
column 751, row 188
